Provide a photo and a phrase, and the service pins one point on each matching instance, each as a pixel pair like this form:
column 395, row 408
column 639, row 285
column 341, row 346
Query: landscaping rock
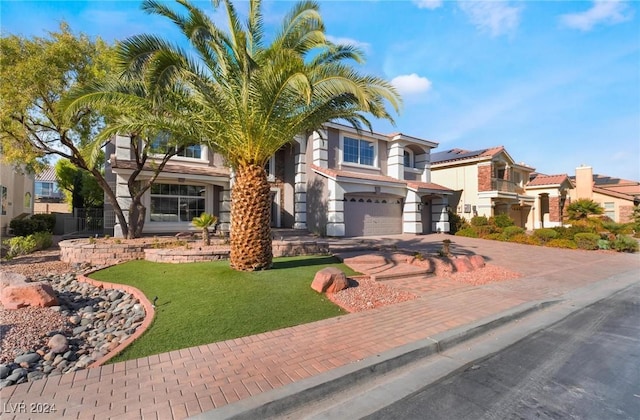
column 28, row 358
column 477, row 261
column 20, row 295
column 329, row 280
column 462, row 264
column 58, row 344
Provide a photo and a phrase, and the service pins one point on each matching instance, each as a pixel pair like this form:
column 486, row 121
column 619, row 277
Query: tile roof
column 427, row 186
column 541, row 179
column 174, row 168
column 48, row 174
column 333, row 173
column 615, row 187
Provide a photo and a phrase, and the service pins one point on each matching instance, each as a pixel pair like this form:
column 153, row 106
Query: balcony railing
column 503, row 185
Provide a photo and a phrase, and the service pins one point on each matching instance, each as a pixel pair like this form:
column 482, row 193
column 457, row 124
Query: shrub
column 22, row 245
column 571, row 231
column 618, row 228
column 583, row 208
column 485, row 231
column 604, row 244
column 48, row 219
column 587, row 240
column 502, row 221
column 495, row 237
column 511, row 231
column 545, row 235
column 468, row 232
column 523, row 238
column 456, row 222
column 562, row 243
column 479, row 221
column 25, row 227
column 624, row 243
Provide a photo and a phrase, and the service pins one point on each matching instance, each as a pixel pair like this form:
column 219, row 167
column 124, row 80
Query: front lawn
column 202, row 303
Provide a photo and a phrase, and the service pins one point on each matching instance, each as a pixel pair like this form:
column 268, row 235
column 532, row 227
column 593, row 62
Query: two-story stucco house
column 337, row 182
column 486, row 182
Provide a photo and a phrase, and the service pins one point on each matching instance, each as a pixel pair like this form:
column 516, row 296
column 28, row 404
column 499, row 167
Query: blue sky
column 556, row 82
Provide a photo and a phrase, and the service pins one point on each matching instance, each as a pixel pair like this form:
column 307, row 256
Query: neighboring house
column 552, row 194
column 339, row 182
column 617, row 196
column 486, row 182
column 16, row 195
column 49, row 198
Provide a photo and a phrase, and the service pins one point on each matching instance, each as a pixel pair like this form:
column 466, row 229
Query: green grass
column 202, row 303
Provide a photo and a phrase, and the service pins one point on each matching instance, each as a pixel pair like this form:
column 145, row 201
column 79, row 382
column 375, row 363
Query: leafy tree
column 37, row 79
column 247, row 98
column 582, row 208
column 80, row 187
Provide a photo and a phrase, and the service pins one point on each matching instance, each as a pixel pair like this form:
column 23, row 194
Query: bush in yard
column 523, row 238
column 479, row 221
column 604, row 244
column 571, row 231
column 501, row 221
column 510, row 231
column 23, row 245
column 618, row 228
column 582, row 208
column 562, row 243
column 456, row 222
column 624, row 243
column 48, row 219
column 25, row 227
column 545, row 235
column 587, row 240
column 495, row 237
column 485, row 231
column 468, row 232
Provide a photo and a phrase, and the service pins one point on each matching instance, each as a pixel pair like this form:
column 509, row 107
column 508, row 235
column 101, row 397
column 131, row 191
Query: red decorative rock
column 20, row 295
column 462, row 264
column 477, row 261
column 329, row 280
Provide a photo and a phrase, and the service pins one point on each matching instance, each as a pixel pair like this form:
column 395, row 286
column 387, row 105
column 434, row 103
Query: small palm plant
column 204, row 222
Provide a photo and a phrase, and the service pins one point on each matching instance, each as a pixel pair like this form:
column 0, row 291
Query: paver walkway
column 182, row 383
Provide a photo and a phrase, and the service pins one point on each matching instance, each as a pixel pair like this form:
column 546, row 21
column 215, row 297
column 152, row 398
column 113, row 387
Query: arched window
column 27, row 200
column 409, row 161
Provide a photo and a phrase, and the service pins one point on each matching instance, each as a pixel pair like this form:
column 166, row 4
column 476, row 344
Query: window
column 46, row 189
column 408, row 159
column 27, row 200
column 270, row 168
column 160, row 145
column 176, row 203
column 610, row 210
column 359, row 151
column 3, row 199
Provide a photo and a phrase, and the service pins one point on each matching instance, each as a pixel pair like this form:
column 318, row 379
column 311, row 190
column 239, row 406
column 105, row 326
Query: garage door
column 369, row 216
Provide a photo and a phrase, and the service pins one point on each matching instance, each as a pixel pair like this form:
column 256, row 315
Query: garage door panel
column 365, row 216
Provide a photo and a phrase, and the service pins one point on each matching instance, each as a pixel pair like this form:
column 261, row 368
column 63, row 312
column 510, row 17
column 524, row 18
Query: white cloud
column 497, row 18
column 349, row 41
column 428, row 4
column 411, row 84
column 603, row 11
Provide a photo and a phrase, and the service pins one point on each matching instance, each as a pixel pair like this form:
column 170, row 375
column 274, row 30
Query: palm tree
column 248, row 99
column 204, row 222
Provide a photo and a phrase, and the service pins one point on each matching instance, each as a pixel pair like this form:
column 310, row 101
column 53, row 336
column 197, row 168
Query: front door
column 426, row 215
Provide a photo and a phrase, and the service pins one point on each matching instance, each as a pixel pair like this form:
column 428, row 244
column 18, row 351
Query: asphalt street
column 584, row 367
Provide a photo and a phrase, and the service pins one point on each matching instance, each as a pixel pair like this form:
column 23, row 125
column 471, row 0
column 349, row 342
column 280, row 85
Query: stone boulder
column 462, row 264
column 477, row 261
column 16, row 293
column 58, row 344
column 329, row 280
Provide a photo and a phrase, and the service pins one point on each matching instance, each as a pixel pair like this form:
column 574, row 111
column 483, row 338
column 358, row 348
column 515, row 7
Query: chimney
column 584, row 182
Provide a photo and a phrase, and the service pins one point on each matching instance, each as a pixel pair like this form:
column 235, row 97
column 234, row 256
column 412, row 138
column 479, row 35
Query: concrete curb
column 279, row 401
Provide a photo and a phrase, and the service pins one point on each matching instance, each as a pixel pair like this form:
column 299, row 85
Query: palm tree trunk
column 250, row 220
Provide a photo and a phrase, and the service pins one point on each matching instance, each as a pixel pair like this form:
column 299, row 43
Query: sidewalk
column 191, row 381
